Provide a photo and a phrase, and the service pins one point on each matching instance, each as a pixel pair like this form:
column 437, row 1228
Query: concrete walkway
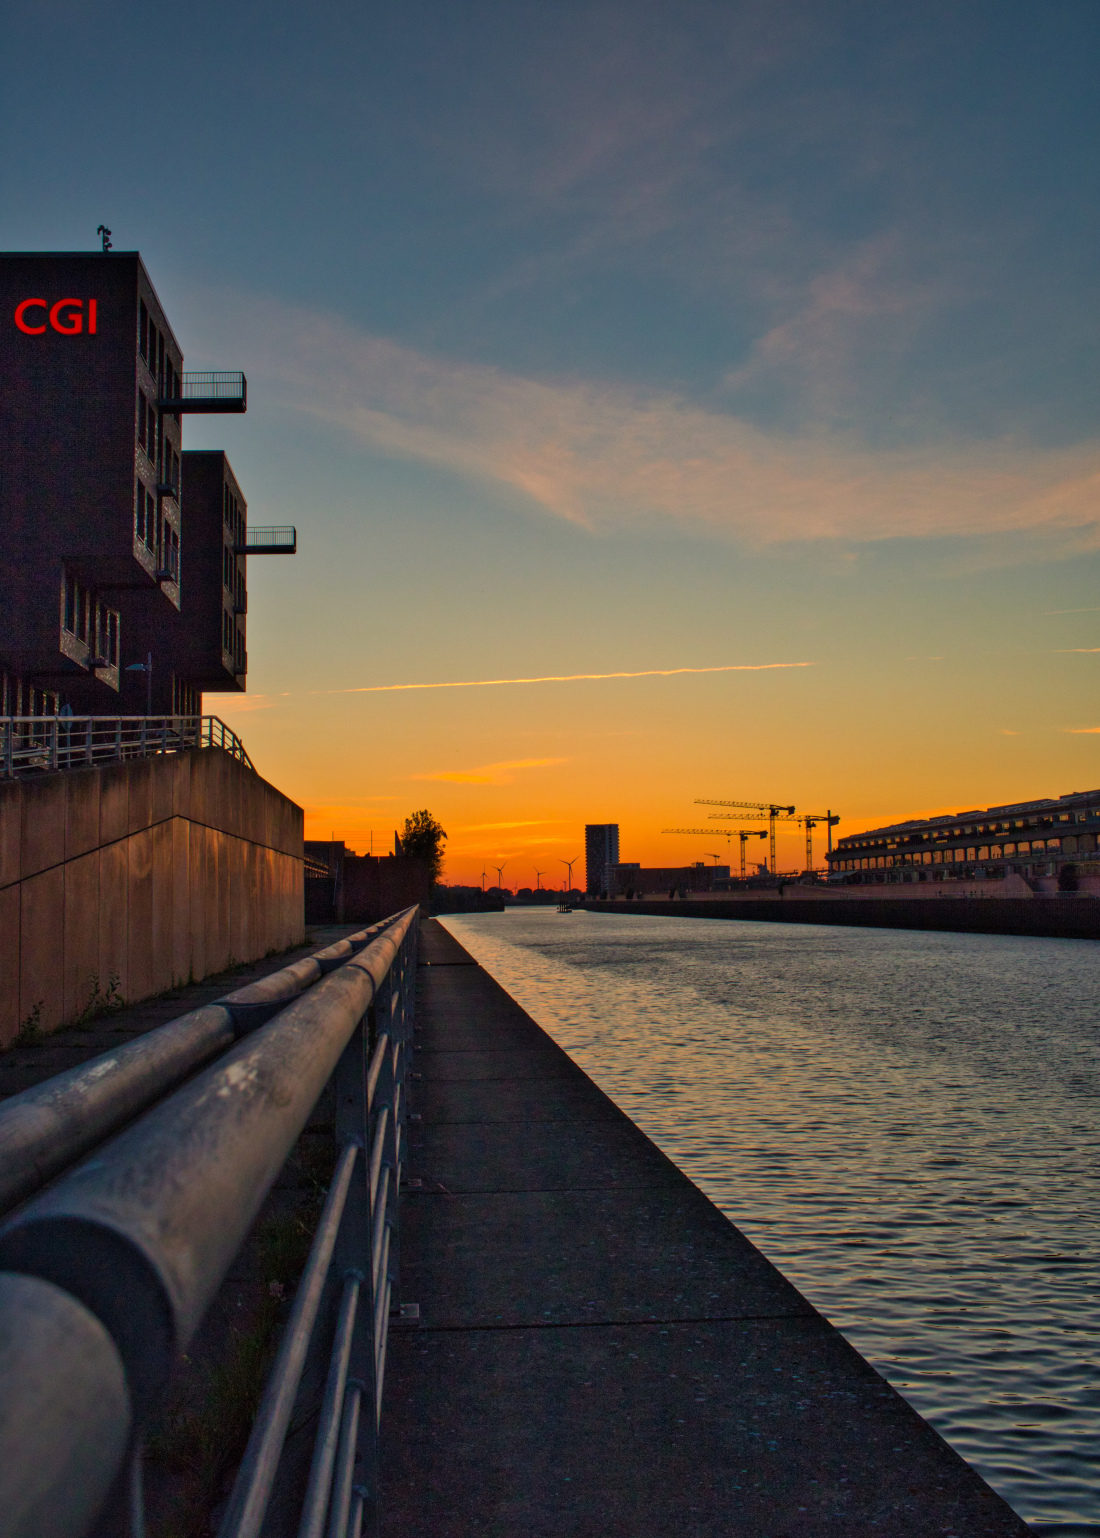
column 600, row 1351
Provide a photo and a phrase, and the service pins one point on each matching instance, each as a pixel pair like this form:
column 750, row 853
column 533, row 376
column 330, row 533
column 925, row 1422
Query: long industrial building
column 1050, row 844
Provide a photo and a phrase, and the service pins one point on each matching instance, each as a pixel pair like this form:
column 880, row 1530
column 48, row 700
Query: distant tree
column 423, row 839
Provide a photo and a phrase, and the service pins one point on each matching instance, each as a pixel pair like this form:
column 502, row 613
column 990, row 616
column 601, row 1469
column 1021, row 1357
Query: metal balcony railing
column 280, row 541
column 107, row 1270
column 36, row 744
column 219, row 390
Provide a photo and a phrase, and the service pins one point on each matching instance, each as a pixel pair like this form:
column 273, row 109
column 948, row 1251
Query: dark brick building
column 116, row 546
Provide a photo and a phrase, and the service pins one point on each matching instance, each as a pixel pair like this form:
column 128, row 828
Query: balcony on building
column 280, row 541
column 220, row 390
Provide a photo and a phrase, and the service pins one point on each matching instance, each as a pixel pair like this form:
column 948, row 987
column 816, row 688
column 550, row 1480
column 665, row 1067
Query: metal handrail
column 128, row 1249
column 269, row 541
column 45, row 744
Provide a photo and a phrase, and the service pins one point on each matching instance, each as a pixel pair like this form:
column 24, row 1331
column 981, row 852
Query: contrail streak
column 573, row 678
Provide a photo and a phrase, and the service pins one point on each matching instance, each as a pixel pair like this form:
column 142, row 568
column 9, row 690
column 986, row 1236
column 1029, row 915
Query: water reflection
column 906, row 1123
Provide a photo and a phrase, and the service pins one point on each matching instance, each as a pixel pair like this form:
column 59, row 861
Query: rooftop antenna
column 104, row 232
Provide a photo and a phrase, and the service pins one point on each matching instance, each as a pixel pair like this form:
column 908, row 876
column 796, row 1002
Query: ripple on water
column 906, row 1123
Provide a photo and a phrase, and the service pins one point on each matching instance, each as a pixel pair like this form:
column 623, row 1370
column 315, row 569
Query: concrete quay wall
column 141, row 874
column 1067, row 918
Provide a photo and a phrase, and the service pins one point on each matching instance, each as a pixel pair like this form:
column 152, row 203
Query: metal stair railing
column 109, row 1264
column 37, row 744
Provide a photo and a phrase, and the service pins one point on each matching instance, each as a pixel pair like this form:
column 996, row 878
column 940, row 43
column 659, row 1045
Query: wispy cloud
column 488, row 827
column 571, row 678
column 502, row 773
column 605, row 457
column 223, row 704
column 1083, row 731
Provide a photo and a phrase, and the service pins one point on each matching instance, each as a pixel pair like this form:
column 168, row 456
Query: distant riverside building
column 116, row 545
column 601, row 852
column 662, row 879
column 1050, row 844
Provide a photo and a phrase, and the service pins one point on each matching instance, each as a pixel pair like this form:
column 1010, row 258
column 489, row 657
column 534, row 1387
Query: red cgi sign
column 66, row 316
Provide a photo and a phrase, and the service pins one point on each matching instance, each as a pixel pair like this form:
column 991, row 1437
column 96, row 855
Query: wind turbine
column 500, row 876
column 570, row 864
column 538, row 880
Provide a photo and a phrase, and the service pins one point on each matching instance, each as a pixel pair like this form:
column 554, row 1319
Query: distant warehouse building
column 660, row 880
column 601, row 852
column 1051, row 844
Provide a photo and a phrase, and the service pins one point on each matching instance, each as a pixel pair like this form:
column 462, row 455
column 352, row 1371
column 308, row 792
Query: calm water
column 906, row 1124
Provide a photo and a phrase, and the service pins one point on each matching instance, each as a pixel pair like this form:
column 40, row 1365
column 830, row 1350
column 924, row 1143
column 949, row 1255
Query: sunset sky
column 747, row 352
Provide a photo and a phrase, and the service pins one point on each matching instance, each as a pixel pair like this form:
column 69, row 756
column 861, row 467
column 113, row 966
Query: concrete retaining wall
column 1070, row 918
column 147, row 873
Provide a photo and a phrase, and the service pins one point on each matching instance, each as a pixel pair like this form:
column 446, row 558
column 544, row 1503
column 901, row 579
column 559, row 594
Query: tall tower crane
column 807, row 820
column 744, row 834
column 771, row 809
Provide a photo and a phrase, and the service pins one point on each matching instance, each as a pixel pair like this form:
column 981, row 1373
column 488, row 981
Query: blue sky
column 617, row 337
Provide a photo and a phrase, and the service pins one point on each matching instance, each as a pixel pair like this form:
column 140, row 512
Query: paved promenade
column 600, row 1352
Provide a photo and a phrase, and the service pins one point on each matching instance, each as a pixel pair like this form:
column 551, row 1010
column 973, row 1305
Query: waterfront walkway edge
column 599, row 1351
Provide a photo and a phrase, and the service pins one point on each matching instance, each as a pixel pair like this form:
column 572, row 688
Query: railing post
column 352, row 1256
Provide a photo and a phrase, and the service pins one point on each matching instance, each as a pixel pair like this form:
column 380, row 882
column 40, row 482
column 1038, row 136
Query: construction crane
column 807, row 820
column 744, row 834
column 771, row 809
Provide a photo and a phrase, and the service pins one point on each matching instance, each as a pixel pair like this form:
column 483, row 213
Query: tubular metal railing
column 269, row 541
column 214, row 390
column 31, row 744
column 107, row 1271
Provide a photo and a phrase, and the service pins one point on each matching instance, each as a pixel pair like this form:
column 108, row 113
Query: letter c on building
column 21, row 317
column 76, row 322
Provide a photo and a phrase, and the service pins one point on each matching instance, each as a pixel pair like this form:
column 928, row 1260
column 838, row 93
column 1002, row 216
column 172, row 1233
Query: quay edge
column 1069, row 918
column 598, row 1349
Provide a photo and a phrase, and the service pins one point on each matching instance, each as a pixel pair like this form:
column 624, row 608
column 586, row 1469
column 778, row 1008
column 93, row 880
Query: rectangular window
column 142, row 419
column 143, row 329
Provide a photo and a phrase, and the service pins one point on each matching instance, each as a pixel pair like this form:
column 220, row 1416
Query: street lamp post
column 145, row 667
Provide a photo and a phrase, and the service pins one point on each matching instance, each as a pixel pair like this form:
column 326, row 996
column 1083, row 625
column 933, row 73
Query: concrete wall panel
column 183, row 961
column 139, row 929
column 114, row 918
column 233, row 849
column 9, row 962
column 41, row 917
column 81, row 939
column 139, row 810
column 114, row 802
column 162, row 907
column 144, row 873
column 82, row 790
column 42, row 841
column 218, row 937
column 11, row 832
